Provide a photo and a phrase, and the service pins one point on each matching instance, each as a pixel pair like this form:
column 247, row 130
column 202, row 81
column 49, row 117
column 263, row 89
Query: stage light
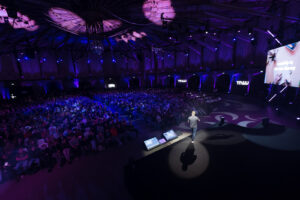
column 291, row 103
column 216, row 49
column 19, row 60
column 13, row 96
column 276, row 109
column 206, row 32
column 276, row 39
column 298, row 118
column 26, row 58
column 44, row 59
column 252, row 39
column 261, row 71
column 89, row 61
column 272, row 97
column 271, row 33
column 238, row 31
column 234, row 39
column 283, row 89
column 114, row 60
column 101, row 60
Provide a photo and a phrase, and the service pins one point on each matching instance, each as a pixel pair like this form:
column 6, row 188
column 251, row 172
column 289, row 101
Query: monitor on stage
column 283, row 66
column 170, row 135
column 151, row 143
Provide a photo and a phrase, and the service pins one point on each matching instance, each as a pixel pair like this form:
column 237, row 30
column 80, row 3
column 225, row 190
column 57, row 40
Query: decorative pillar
column 128, row 82
column 200, row 82
column 232, row 78
column 249, row 79
column 140, row 82
column 215, row 80
column 187, row 83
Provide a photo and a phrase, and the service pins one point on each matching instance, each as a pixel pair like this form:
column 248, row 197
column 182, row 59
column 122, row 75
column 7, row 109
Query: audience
column 56, row 131
column 44, row 133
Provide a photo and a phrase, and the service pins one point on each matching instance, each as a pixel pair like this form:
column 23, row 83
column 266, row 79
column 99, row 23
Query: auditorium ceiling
column 130, row 25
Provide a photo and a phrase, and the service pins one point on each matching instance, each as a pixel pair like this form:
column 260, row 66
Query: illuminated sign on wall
column 111, row 85
column 182, row 81
column 245, row 83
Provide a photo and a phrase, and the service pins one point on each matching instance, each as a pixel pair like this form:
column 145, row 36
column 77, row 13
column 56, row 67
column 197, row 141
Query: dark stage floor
column 220, row 166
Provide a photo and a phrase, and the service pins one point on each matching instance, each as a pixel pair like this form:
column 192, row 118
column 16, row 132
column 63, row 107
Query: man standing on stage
column 193, row 120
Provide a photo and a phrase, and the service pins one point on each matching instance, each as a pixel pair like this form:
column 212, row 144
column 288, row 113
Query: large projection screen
column 283, row 66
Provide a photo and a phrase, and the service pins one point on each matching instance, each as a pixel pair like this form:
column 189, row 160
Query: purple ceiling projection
column 22, row 21
column 71, row 22
column 130, row 36
column 154, row 10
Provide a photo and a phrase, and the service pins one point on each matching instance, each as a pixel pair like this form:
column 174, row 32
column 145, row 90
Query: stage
column 239, row 160
column 223, row 163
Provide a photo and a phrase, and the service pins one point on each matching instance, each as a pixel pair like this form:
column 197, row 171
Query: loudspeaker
column 222, row 121
column 265, row 122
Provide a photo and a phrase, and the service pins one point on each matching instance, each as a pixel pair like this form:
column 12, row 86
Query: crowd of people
column 159, row 108
column 55, row 132
column 45, row 133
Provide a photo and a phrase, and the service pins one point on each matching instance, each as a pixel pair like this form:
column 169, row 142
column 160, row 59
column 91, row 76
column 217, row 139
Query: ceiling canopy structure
column 43, row 39
column 159, row 23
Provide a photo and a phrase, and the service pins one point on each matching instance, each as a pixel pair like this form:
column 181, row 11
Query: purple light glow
column 71, row 22
column 231, row 81
column 76, row 83
column 155, row 10
column 130, row 36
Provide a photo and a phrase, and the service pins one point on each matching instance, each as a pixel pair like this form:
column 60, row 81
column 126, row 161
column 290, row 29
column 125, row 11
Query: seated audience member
column 21, row 160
